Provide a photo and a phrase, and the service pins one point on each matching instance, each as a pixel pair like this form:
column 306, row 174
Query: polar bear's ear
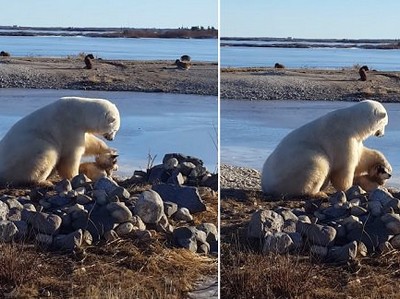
column 110, row 119
column 380, row 114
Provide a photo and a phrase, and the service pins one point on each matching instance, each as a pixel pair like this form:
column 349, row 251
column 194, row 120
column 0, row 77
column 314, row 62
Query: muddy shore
column 108, row 75
column 308, row 84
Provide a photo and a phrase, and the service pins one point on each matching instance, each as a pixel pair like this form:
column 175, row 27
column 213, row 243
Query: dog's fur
column 376, row 176
column 104, row 166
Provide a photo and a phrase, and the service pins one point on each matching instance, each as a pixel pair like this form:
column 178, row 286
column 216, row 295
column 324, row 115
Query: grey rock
column 395, row 242
column 358, row 211
column 138, row 223
column 264, row 221
column 124, row 229
column 149, row 207
column 163, row 225
column 171, row 163
column 83, row 199
column 63, row 186
column 186, row 168
column 183, row 196
column 185, row 237
column 8, row 231
column 79, row 181
column 70, row 241
column 143, row 235
column 42, row 222
column 304, row 218
column 354, row 192
column 277, row 243
column 121, row 193
column 333, row 212
column 100, row 196
column 80, row 190
column 183, row 158
column 198, row 171
column 29, row 207
column 352, row 223
column 14, row 214
column 289, row 226
column 44, row 240
column 338, row 197
column 170, row 208
column 119, row 211
column 380, row 195
column 297, row 240
column 13, row 203
column 22, row 227
column 375, row 207
column 343, row 254
column 183, row 214
column 3, row 210
column 211, row 231
column 176, row 178
column 158, row 174
column 58, row 201
column 394, row 205
column 319, row 251
column 317, row 234
column 201, row 236
column 288, row 215
column 105, row 184
column 203, row 248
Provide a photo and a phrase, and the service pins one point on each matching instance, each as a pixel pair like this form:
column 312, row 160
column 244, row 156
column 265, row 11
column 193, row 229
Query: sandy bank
column 308, row 84
column 112, row 75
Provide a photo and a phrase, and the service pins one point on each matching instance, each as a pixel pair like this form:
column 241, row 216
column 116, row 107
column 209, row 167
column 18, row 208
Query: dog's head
column 380, row 173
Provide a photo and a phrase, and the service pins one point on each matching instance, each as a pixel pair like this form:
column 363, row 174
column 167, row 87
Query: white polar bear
column 54, row 138
column 325, row 150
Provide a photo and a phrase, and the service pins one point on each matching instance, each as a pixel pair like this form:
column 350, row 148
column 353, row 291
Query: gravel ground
column 113, row 75
column 308, row 84
column 234, row 177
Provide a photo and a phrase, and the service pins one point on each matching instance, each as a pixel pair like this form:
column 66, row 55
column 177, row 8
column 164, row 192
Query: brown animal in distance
column 88, row 61
column 363, row 72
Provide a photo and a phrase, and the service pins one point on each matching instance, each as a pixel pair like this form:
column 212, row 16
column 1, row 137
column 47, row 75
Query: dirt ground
column 108, row 75
column 308, row 84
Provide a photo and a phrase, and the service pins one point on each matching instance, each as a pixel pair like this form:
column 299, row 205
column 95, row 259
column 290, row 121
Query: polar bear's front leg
column 68, row 165
column 95, row 146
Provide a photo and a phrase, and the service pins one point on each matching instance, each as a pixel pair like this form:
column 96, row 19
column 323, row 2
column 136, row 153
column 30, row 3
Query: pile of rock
column 80, row 212
column 348, row 224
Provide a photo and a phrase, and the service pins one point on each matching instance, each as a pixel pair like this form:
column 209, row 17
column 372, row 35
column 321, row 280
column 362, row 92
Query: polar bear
column 373, row 170
column 55, row 137
column 325, row 150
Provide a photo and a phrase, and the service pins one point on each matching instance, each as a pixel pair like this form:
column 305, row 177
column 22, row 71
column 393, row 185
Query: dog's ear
column 114, row 156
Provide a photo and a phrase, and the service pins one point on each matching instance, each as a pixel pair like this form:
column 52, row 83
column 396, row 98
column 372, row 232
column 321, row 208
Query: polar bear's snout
column 110, row 136
column 380, row 133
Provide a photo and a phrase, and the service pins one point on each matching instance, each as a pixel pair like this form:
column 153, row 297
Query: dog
column 104, row 166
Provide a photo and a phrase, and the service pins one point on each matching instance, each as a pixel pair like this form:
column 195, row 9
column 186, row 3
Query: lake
column 154, row 123
column 321, row 58
column 250, row 131
column 111, row 48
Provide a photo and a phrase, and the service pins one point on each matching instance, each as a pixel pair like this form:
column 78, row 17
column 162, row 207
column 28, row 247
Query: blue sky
column 311, row 18
column 107, row 13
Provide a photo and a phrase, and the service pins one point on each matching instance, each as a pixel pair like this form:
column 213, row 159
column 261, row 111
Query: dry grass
column 246, row 273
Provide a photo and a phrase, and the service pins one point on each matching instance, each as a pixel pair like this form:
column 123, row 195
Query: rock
column 395, row 242
column 319, row 251
column 138, row 223
column 119, row 211
column 375, row 207
column 393, row 227
column 87, row 238
column 100, row 196
column 288, row 215
column 83, row 199
column 354, row 192
column 362, row 249
column 170, row 208
column 317, row 234
column 334, row 213
column 124, row 229
column 198, row 171
column 380, row 195
column 186, row 168
column 183, row 214
column 182, row 158
column 171, row 164
column 8, row 231
column 58, row 201
column 13, row 203
column 14, row 215
column 338, row 197
column 352, row 223
column 63, row 186
column 3, row 210
column 211, row 181
column 201, row 236
column 143, row 235
column 211, row 231
column 394, row 205
column 277, row 243
column 158, row 174
column 44, row 240
column 149, row 207
column 79, row 181
column 264, row 221
column 185, row 237
column 358, row 211
column 304, row 218
column 29, row 207
column 80, row 190
column 176, row 178
column 289, row 226
column 297, row 240
column 343, row 254
column 163, row 225
column 69, row 242
column 43, row 222
column 183, row 196
column 203, row 248
column 121, row 193
column 106, row 184
column 100, row 222
column 385, row 247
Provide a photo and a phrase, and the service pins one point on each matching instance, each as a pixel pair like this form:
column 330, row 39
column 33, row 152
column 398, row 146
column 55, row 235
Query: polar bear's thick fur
column 55, row 137
column 325, row 150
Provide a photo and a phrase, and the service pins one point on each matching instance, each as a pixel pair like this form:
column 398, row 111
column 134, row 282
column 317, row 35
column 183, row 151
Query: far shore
column 108, row 75
column 263, row 83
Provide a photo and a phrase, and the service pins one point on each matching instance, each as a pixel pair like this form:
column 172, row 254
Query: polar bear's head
column 109, row 125
column 375, row 118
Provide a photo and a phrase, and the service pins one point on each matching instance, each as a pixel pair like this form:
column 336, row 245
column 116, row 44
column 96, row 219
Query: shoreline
column 266, row 83
column 108, row 75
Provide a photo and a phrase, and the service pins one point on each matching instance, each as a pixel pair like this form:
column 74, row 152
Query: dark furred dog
column 363, row 72
column 88, row 61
